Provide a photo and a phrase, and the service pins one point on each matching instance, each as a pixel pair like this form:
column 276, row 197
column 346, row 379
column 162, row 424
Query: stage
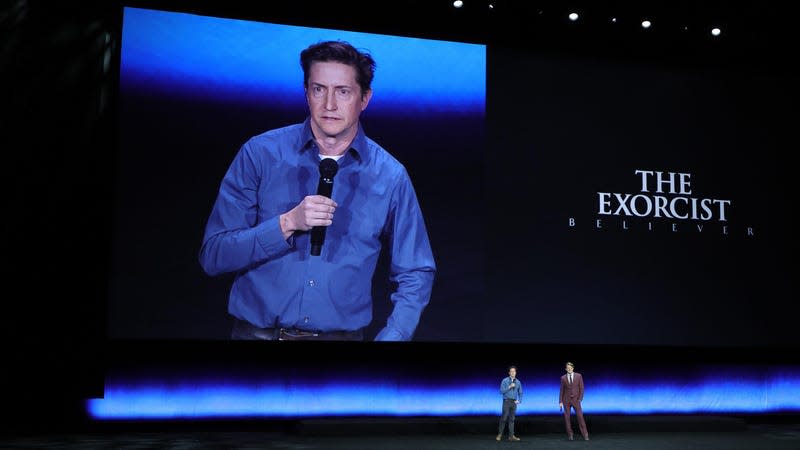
column 607, row 432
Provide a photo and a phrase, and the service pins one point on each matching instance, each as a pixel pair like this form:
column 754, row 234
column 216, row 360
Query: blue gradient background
column 249, row 61
column 721, row 390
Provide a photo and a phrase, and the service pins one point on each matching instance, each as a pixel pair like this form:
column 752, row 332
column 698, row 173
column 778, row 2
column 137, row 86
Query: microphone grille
column 328, row 167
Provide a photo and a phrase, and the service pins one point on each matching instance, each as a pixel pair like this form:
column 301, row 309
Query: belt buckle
column 287, row 334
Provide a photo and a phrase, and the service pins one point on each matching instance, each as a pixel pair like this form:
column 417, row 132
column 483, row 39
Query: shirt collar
column 358, row 148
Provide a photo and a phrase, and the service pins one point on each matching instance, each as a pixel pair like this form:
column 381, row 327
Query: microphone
column 327, row 170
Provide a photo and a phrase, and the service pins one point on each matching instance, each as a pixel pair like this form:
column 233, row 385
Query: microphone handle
column 324, row 188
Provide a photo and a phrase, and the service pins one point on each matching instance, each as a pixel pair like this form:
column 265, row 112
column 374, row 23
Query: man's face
column 569, row 368
column 335, row 100
column 512, row 373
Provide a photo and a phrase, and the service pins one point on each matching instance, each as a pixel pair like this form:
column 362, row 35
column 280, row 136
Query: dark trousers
column 509, row 414
column 578, row 412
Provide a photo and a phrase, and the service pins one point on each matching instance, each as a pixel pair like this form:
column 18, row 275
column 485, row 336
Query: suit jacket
column 571, row 392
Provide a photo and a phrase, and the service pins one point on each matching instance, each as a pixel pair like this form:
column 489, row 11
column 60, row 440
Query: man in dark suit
column 571, row 396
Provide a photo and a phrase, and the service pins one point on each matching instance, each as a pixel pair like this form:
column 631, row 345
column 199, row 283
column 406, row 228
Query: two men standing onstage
column 571, row 396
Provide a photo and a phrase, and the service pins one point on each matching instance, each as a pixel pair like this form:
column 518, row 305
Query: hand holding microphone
column 314, row 212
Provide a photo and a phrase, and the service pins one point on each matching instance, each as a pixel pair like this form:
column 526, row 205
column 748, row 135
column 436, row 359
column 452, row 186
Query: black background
column 583, row 125
column 58, row 132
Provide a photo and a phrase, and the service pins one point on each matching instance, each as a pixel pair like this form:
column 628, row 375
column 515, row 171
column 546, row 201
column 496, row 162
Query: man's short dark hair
column 341, row 52
column 512, row 367
column 570, row 364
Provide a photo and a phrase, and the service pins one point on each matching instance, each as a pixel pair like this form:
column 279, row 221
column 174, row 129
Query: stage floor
column 389, row 434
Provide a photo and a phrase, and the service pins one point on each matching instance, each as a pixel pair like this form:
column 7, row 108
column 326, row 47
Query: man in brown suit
column 571, row 396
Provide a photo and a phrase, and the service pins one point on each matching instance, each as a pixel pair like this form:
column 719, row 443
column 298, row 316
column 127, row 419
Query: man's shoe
column 569, row 438
column 499, row 436
column 586, row 438
column 513, row 438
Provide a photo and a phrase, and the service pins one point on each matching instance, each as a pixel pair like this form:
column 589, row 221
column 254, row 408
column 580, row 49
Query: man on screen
column 571, row 396
column 268, row 207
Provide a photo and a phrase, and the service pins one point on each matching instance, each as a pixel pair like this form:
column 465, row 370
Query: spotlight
column 716, row 31
column 573, row 16
column 646, row 24
column 458, row 3
column 491, row 6
column 613, row 20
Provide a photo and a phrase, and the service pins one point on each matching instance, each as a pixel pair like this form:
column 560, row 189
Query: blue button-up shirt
column 514, row 393
column 277, row 282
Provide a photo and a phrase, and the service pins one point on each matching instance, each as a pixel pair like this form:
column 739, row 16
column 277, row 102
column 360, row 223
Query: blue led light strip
column 209, row 399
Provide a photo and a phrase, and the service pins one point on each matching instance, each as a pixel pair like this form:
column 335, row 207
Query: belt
column 243, row 329
column 293, row 334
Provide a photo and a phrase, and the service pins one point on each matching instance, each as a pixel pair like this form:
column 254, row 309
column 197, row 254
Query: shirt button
column 305, row 320
column 311, row 282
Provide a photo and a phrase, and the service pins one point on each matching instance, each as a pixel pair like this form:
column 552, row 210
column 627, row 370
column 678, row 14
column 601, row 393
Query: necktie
column 570, row 378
